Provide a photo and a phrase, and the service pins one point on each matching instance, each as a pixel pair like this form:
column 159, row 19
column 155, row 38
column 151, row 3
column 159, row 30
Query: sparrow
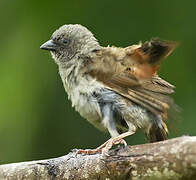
column 116, row 89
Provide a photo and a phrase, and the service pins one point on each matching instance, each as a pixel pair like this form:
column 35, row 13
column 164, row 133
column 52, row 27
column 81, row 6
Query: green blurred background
column 36, row 119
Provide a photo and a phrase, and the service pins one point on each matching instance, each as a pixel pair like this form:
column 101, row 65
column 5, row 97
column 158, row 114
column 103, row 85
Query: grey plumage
column 104, row 103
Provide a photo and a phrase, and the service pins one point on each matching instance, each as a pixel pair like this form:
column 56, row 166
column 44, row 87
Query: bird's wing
column 132, row 73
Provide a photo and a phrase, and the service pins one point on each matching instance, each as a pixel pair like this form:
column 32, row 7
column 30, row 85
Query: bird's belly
column 88, row 109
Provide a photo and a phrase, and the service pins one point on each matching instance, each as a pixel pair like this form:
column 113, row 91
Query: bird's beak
column 49, row 45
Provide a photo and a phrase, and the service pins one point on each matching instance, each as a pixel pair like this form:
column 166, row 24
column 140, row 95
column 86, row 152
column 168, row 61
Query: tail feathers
column 157, row 133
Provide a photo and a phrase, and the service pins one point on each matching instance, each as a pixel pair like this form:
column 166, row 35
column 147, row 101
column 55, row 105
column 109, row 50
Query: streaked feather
column 132, row 73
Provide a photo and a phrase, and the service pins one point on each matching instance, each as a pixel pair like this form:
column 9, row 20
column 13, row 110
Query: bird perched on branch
column 116, row 89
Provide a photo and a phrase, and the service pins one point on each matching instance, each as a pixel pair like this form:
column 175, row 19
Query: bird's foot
column 104, row 148
column 110, row 143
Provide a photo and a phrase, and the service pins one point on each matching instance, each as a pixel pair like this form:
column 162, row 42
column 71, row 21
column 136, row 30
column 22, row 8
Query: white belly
column 83, row 101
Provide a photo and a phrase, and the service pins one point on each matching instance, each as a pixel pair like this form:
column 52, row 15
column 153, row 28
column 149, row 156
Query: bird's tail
column 157, row 132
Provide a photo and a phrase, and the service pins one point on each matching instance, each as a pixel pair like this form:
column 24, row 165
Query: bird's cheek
column 69, row 53
column 66, row 54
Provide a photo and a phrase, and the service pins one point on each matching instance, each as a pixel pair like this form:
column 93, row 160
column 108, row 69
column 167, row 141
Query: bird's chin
column 54, row 56
column 57, row 58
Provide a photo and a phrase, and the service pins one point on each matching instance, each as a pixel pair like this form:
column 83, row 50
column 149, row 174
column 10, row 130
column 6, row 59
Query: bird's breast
column 80, row 92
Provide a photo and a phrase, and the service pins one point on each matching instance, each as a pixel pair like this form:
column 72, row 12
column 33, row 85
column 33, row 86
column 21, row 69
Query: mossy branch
column 171, row 159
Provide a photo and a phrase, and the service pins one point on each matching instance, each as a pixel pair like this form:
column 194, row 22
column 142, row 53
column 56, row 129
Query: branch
column 171, row 159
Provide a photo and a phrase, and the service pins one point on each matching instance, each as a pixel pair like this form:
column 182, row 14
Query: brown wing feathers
column 131, row 72
column 149, row 56
column 156, row 50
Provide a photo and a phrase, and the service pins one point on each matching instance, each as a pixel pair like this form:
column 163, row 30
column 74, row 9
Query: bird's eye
column 65, row 41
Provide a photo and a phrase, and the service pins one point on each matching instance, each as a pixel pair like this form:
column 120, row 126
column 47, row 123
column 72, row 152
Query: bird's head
column 69, row 41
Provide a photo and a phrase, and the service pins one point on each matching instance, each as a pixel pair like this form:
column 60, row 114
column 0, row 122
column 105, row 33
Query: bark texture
column 172, row 159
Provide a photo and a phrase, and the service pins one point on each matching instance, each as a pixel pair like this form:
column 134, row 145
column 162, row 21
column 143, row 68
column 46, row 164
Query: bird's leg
column 105, row 147
column 109, row 122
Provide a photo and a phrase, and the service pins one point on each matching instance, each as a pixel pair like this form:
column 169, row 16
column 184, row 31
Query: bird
column 116, row 89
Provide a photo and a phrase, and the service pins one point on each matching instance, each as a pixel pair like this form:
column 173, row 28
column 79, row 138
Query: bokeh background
column 36, row 119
